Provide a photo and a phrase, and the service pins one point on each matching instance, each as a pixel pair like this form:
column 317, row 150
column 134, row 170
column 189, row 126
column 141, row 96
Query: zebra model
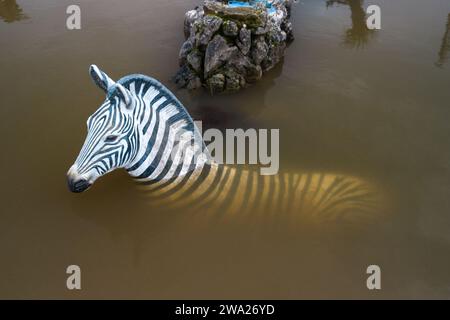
column 143, row 128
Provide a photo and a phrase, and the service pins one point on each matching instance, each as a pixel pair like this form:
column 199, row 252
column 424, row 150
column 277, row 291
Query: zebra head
column 112, row 138
column 141, row 127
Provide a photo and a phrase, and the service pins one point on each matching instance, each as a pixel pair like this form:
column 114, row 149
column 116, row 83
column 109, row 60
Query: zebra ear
column 118, row 90
column 100, row 78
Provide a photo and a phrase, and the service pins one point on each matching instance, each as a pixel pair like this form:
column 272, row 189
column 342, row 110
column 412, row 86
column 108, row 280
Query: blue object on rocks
column 251, row 3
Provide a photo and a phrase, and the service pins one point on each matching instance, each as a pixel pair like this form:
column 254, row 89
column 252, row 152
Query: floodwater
column 375, row 105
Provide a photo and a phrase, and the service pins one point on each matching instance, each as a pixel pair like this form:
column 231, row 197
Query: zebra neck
column 169, row 145
column 201, row 178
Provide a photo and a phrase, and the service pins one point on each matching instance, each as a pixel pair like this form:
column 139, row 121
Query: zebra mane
column 143, row 83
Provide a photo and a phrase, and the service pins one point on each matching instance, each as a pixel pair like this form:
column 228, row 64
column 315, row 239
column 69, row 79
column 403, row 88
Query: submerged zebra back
column 239, row 192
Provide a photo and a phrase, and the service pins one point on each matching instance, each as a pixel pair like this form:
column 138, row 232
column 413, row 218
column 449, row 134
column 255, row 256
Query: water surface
column 375, row 105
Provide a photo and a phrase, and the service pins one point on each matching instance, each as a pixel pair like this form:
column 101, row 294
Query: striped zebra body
column 232, row 190
column 143, row 128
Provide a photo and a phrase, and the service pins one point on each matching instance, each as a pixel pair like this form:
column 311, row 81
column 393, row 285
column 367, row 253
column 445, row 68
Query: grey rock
column 259, row 50
column 230, row 28
column 186, row 48
column 245, row 40
column 275, row 36
column 234, row 81
column 254, row 73
column 217, row 54
column 206, row 29
column 288, row 28
column 195, row 60
column 216, row 83
column 244, row 66
column 274, row 56
column 190, row 17
column 184, row 77
column 260, row 31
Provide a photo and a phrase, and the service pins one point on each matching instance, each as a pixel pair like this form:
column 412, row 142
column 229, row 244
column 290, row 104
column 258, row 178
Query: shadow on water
column 11, row 12
column 225, row 111
column 445, row 45
column 358, row 35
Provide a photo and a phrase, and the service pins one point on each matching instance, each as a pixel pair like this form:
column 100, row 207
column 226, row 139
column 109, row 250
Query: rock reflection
column 227, row 112
column 10, row 11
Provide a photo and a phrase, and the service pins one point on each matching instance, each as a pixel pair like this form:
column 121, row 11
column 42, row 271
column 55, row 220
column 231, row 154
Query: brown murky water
column 371, row 105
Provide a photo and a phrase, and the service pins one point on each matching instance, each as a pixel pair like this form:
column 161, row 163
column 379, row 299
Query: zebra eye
column 111, row 138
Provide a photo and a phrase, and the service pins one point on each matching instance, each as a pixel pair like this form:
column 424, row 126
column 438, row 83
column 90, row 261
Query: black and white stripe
column 230, row 190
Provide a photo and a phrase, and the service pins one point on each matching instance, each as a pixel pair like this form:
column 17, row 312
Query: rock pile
column 231, row 43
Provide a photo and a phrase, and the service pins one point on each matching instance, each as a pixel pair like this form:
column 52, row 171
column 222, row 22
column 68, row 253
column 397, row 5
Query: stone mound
column 230, row 44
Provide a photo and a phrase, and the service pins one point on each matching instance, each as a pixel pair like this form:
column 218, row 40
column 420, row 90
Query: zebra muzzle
column 75, row 182
column 78, row 186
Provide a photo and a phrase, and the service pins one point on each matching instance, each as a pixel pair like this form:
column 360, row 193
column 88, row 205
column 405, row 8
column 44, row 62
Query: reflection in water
column 10, row 11
column 238, row 193
column 358, row 35
column 227, row 111
column 445, row 46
